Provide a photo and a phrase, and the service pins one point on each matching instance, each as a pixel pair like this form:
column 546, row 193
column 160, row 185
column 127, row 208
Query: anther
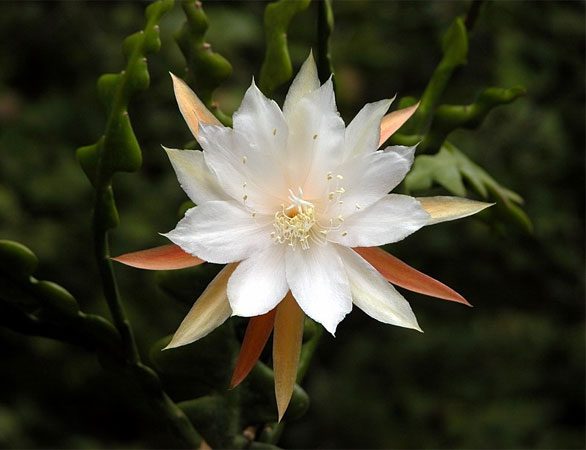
column 244, row 158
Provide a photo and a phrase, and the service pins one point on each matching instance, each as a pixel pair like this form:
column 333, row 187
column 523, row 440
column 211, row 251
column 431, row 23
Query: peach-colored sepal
column 192, row 108
column 257, row 334
column 166, row 257
column 397, row 272
column 395, row 120
column 287, row 339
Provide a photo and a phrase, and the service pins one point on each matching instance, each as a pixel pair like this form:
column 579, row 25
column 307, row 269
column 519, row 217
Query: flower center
column 297, row 224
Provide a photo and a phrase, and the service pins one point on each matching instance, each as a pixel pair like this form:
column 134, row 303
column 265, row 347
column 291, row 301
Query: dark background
column 508, row 373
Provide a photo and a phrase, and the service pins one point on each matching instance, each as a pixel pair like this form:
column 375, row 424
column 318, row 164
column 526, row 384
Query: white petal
column 367, row 178
column 305, row 82
column 391, row 219
column 363, row 133
column 443, row 208
column 222, row 232
column 195, row 177
column 259, row 282
column 192, row 108
column 261, row 122
column 209, row 311
column 252, row 178
column 374, row 295
column 319, row 283
column 316, row 139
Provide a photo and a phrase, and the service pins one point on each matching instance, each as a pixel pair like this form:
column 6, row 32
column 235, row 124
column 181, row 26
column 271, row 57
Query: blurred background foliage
column 508, row 373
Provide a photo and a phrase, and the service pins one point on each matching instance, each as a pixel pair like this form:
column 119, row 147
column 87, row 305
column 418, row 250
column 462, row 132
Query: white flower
column 293, row 200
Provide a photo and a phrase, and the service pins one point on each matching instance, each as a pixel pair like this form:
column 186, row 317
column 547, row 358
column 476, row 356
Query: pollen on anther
column 245, row 197
column 339, row 177
column 314, row 137
column 344, row 233
column 358, row 206
column 331, row 196
column 329, row 176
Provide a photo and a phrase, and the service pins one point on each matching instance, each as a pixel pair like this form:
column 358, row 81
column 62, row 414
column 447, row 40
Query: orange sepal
column 395, row 120
column 397, row 272
column 287, row 340
column 166, row 257
column 257, row 334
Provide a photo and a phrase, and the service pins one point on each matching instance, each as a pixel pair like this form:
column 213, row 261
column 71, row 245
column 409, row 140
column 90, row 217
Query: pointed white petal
column 374, row 295
column 259, row 282
column 305, row 82
column 209, row 311
column 367, row 178
column 261, row 122
column 252, row 178
column 391, row 219
column 319, row 283
column 363, row 133
column 192, row 108
column 195, row 177
column 222, row 232
column 443, row 208
column 316, row 139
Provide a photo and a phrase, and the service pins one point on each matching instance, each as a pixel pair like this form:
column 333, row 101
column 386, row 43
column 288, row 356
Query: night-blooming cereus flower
column 296, row 203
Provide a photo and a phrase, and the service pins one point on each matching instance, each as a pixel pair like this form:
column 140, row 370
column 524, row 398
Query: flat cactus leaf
column 17, row 260
column 451, row 169
column 206, row 69
column 455, row 52
column 448, row 118
column 118, row 149
column 276, row 68
column 43, row 308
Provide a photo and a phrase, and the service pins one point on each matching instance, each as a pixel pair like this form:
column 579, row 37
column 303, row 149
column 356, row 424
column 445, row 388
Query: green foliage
column 276, row 68
column 431, row 125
